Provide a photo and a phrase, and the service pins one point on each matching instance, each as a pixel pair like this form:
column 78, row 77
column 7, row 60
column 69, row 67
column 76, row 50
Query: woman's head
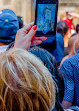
column 62, row 28
column 25, row 83
column 48, row 60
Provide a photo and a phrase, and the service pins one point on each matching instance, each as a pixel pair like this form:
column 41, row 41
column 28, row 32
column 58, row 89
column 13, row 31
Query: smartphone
column 46, row 17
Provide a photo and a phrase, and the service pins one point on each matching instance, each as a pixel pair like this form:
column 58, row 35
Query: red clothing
column 69, row 22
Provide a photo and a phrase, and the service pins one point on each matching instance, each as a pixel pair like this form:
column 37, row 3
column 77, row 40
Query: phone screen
column 46, row 17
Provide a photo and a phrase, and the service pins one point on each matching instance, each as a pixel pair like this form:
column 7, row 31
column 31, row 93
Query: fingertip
column 45, row 37
column 35, row 27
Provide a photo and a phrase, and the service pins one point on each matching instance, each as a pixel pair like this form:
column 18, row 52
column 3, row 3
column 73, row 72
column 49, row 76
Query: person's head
column 76, row 44
column 8, row 26
column 20, row 21
column 50, row 62
column 62, row 28
column 77, row 28
column 71, row 44
column 25, row 83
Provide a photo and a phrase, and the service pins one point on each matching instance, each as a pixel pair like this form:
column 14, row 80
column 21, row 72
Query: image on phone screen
column 46, row 17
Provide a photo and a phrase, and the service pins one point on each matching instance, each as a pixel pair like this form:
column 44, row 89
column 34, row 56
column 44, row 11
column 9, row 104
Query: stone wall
column 26, row 8
column 69, row 2
column 20, row 7
column 68, row 5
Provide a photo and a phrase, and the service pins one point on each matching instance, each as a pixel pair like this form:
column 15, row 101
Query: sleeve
column 68, row 81
column 49, row 43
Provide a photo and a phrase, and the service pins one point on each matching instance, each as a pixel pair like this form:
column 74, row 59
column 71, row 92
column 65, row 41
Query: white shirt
column 3, row 48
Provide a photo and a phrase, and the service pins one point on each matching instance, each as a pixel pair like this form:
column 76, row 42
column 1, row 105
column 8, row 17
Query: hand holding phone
column 46, row 17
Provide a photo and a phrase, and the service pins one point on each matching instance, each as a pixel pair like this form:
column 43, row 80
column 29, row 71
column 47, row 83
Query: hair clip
column 6, row 20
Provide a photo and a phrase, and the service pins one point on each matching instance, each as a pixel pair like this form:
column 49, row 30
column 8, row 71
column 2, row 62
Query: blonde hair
column 25, row 83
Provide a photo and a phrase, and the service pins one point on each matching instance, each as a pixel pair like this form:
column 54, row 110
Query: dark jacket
column 55, row 45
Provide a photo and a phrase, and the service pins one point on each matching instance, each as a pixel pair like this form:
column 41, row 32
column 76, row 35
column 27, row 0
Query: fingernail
column 45, row 38
column 34, row 27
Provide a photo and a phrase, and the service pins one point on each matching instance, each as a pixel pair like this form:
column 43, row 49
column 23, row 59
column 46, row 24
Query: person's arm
column 73, row 15
column 69, row 84
column 25, row 37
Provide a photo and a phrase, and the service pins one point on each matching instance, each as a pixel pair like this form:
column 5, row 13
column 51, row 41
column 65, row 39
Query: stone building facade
column 20, row 7
column 71, row 6
column 26, row 8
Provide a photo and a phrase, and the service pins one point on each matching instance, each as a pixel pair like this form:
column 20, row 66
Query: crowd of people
column 38, row 73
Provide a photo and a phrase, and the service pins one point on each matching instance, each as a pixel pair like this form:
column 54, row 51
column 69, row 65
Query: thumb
column 32, row 32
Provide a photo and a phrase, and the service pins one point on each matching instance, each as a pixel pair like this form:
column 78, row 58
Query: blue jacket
column 70, row 69
column 59, row 50
column 55, row 45
column 49, row 44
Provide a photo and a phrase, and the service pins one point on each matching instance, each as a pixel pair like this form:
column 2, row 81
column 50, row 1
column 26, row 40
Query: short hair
column 20, row 21
column 62, row 28
column 25, row 83
column 46, row 57
column 77, row 28
column 71, row 43
column 49, row 61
